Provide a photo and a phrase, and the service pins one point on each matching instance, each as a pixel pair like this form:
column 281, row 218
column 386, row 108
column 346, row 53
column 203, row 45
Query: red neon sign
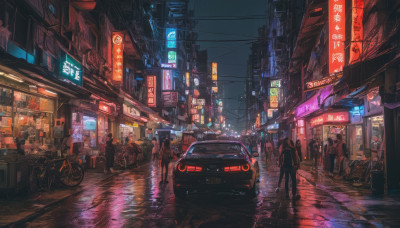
column 151, row 91
column 336, row 117
column 104, row 107
column 356, row 31
column 336, row 35
column 117, row 56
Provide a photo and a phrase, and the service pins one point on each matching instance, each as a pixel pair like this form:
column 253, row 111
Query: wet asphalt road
column 137, row 199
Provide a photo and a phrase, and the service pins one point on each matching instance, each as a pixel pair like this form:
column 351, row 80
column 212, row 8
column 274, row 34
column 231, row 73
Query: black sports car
column 216, row 165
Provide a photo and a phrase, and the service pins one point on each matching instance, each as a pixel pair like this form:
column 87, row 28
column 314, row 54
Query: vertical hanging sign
column 214, row 71
column 166, row 80
column 117, row 56
column 187, row 79
column 356, row 31
column 336, row 35
column 151, row 91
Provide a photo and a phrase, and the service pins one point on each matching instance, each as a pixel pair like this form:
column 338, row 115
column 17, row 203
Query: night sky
column 231, row 56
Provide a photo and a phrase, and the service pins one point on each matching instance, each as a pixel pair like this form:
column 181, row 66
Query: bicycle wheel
column 72, row 177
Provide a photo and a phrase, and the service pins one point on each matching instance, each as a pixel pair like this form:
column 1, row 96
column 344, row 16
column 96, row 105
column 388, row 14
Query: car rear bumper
column 213, row 184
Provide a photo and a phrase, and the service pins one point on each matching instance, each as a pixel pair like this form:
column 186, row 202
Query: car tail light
column 189, row 168
column 237, row 168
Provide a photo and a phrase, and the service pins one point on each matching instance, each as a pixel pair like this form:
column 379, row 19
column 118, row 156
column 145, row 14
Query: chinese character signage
column 276, row 84
column 187, row 79
column 214, row 71
column 323, row 81
column 117, row 56
column 71, row 70
column 356, row 31
column 273, row 97
column 336, row 35
column 172, row 57
column 330, row 118
column 214, row 89
column 170, row 99
column 201, row 102
column 151, row 91
column 130, row 110
column 171, row 37
column 166, row 80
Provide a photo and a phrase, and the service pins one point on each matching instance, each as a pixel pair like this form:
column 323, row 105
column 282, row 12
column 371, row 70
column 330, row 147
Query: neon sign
column 273, row 97
column 336, row 35
column 187, row 79
column 117, row 58
column 330, row 118
column 276, row 83
column 312, row 104
column 323, row 81
column 167, row 80
column 172, row 57
column 71, row 70
column 168, row 65
column 171, row 37
column 356, row 31
column 151, row 91
column 214, row 71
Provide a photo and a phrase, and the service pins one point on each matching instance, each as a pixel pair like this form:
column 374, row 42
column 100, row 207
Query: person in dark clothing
column 290, row 163
column 311, row 149
column 165, row 156
column 110, row 151
column 298, row 149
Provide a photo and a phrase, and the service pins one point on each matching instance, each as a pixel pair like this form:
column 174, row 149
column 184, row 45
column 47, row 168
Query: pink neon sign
column 335, row 117
column 312, row 104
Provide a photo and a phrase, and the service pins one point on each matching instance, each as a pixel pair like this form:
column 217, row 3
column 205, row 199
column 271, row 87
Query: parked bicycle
column 45, row 172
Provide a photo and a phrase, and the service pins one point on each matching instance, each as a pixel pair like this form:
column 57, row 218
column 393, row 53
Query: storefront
column 329, row 125
column 26, row 113
column 355, row 139
column 374, row 126
column 131, row 124
column 272, row 133
column 105, row 122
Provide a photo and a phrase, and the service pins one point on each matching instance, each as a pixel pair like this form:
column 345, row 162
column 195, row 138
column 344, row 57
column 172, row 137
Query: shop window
column 6, row 139
column 374, row 136
column 33, row 120
column 84, row 129
column 355, row 142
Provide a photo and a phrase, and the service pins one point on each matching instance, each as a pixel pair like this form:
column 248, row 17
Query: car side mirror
column 255, row 154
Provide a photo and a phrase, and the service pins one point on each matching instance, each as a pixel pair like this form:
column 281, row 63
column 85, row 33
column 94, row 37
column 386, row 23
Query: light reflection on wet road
column 136, row 199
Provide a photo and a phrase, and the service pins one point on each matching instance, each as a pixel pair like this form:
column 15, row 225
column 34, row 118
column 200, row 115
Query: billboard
column 273, row 97
column 336, row 35
column 117, row 56
column 151, row 91
column 170, row 99
column 166, row 80
column 170, row 34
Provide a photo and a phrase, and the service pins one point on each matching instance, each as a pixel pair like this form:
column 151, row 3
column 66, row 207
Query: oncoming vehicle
column 216, row 165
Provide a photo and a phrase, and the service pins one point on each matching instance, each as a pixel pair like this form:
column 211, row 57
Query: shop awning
column 37, row 75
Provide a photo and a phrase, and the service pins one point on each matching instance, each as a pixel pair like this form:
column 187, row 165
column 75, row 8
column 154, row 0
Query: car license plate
column 213, row 180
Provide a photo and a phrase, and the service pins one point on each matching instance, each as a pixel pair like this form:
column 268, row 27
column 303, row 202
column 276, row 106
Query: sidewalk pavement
column 20, row 209
column 360, row 201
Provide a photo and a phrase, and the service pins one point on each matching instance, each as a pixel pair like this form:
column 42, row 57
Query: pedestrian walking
column 110, row 152
column 341, row 152
column 269, row 150
column 165, row 157
column 298, row 149
column 290, row 163
column 281, row 169
column 315, row 154
column 331, row 153
column 155, row 149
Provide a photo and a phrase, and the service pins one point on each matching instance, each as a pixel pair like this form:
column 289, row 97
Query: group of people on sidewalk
column 334, row 150
column 110, row 151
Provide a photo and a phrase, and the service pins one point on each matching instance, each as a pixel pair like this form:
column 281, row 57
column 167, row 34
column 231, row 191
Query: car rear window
column 217, row 148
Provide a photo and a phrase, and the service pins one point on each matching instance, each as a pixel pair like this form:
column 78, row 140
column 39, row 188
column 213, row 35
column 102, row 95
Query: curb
column 48, row 207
